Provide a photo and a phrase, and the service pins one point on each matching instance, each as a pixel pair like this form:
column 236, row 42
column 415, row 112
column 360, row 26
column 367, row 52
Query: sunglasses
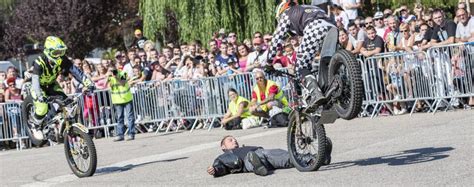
column 404, row 31
column 368, row 23
column 378, row 19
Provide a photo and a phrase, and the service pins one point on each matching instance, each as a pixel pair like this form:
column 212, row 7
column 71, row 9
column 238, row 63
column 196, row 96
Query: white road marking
column 147, row 159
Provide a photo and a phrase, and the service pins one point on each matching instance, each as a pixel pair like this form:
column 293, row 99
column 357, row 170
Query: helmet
column 284, row 5
column 54, row 48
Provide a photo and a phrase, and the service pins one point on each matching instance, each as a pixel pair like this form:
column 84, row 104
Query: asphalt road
column 423, row 149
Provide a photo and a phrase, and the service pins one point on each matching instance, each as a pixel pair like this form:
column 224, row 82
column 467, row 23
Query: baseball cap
column 138, row 31
column 378, row 15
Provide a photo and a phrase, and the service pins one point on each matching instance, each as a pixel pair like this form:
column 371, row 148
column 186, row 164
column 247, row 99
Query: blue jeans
column 121, row 110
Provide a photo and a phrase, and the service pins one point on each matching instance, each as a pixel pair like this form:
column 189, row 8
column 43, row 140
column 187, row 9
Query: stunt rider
column 313, row 24
column 46, row 69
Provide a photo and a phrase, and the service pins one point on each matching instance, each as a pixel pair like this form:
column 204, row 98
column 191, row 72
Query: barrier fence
column 442, row 76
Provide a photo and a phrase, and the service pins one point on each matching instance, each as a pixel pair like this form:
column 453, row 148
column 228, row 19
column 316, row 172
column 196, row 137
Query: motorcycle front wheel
column 80, row 152
column 307, row 142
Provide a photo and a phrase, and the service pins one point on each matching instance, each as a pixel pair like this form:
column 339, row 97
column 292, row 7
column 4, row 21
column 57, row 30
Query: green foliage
column 109, row 54
column 199, row 19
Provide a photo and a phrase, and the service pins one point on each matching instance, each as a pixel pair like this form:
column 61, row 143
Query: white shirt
column 256, row 57
column 465, row 31
column 351, row 12
column 129, row 70
column 380, row 31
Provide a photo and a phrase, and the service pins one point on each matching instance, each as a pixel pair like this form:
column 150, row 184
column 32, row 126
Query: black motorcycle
column 340, row 78
column 60, row 125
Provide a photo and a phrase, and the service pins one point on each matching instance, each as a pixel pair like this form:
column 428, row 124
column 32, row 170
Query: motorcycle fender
column 330, row 43
column 81, row 127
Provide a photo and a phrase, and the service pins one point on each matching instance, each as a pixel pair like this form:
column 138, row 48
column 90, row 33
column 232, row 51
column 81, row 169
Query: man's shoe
column 130, row 138
column 258, row 167
column 118, row 139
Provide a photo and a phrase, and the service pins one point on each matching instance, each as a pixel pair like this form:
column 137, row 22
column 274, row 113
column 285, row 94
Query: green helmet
column 54, row 48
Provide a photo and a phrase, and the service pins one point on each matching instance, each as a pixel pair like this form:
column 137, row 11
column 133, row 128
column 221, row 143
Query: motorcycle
column 340, row 78
column 60, row 125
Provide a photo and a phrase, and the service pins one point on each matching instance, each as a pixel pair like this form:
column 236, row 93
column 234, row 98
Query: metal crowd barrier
column 11, row 126
column 440, row 76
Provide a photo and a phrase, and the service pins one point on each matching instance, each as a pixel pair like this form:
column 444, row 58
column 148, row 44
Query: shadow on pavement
column 413, row 156
column 109, row 170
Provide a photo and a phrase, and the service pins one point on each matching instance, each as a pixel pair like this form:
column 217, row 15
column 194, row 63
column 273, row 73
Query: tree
column 82, row 24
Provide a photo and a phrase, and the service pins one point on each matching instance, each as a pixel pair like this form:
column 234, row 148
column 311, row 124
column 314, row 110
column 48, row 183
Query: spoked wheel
column 345, row 71
column 80, row 152
column 306, row 142
column 27, row 108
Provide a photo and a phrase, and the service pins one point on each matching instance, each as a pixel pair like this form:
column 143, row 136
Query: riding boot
column 36, row 122
column 315, row 93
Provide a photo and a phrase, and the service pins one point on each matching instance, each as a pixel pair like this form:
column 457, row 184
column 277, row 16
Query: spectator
column 101, row 79
column 128, row 68
column 148, row 47
column 342, row 20
column 152, row 55
column 13, row 94
column 257, row 57
column 122, row 100
column 420, row 39
column 369, row 22
column 387, row 12
column 407, row 40
column 419, row 11
column 139, row 40
column 2, row 93
column 356, row 38
column 444, row 31
column 405, row 15
column 266, row 95
column 465, row 27
column 294, row 41
column 65, row 83
column 344, row 40
column 76, row 85
column 213, row 47
column 243, row 53
column 429, row 20
column 192, row 70
column 373, row 44
column 392, row 34
column 232, row 40
column 3, row 76
column 168, row 52
column 192, row 50
column 212, row 64
column 379, row 24
column 142, row 56
column 182, row 69
column 350, row 7
column 13, row 72
column 267, row 40
column 224, row 60
column 290, row 53
column 237, row 159
column 394, row 69
column 238, row 115
column 248, row 43
column 137, row 75
column 257, row 35
column 280, row 59
column 184, row 49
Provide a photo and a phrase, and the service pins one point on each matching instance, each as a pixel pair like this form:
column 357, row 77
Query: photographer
column 122, row 99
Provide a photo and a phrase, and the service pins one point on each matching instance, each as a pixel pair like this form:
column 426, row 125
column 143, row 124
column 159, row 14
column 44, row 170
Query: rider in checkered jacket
column 313, row 24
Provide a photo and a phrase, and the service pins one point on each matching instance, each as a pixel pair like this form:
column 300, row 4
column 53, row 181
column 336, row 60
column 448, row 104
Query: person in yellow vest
column 238, row 115
column 122, row 99
column 266, row 94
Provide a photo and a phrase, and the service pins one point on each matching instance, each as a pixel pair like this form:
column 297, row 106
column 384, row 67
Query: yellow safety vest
column 119, row 94
column 278, row 96
column 47, row 77
column 234, row 107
